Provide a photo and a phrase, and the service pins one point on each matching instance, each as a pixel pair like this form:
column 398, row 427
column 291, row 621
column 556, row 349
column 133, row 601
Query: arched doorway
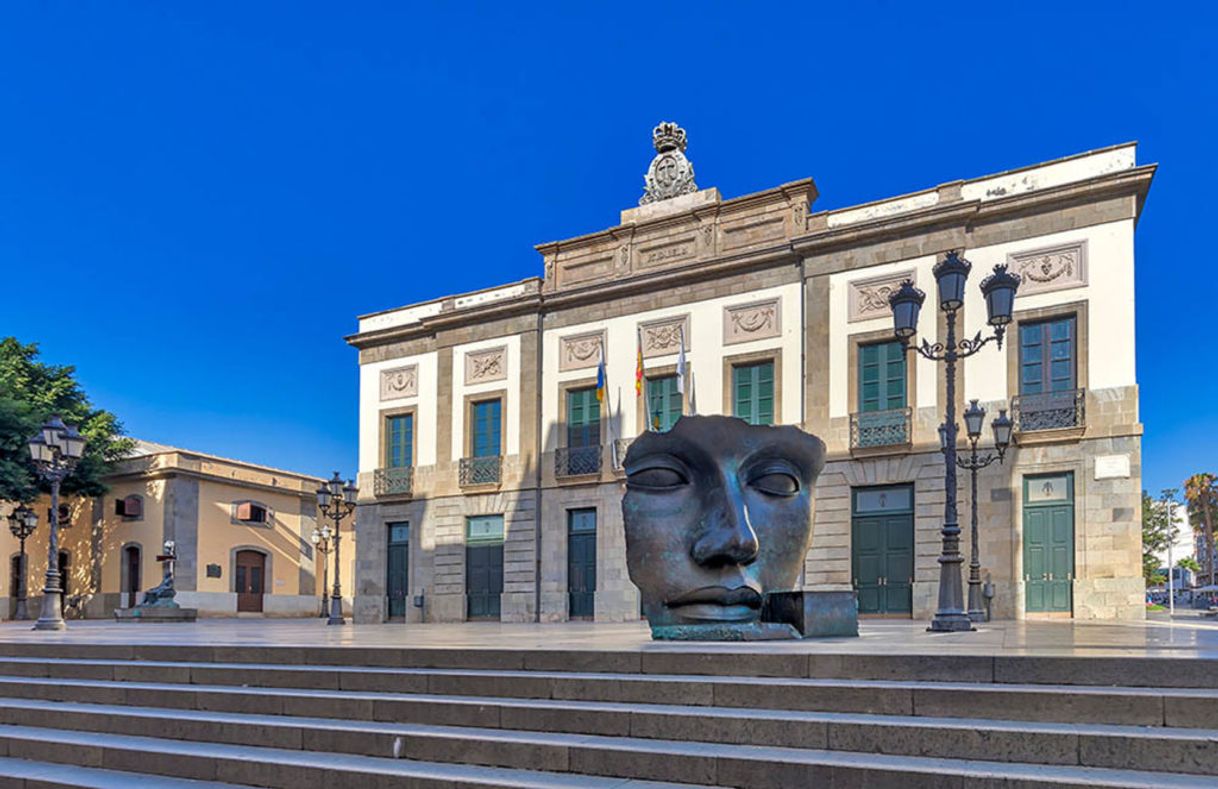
column 131, row 576
column 249, row 580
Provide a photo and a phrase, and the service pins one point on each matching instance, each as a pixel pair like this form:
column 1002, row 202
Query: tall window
column 487, row 428
column 881, row 377
column 1047, row 356
column 753, row 393
column 583, row 418
column 663, row 403
column 399, row 437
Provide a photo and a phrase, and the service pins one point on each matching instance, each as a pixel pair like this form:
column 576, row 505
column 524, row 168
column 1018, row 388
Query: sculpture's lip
column 719, row 595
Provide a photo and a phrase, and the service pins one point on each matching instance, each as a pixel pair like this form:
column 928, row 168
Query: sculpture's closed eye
column 774, row 479
column 656, row 478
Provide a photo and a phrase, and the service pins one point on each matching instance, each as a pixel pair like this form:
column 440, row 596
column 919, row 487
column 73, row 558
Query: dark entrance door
column 1048, row 543
column 882, row 549
column 581, row 563
column 397, row 583
column 483, row 566
column 250, row 581
column 65, row 574
column 131, row 556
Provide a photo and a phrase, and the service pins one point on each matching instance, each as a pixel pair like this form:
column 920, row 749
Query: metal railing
column 620, row 445
column 393, row 481
column 1049, row 411
column 480, row 471
column 890, row 428
column 577, row 461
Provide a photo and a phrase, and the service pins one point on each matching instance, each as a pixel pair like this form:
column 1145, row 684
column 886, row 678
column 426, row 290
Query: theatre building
column 490, row 470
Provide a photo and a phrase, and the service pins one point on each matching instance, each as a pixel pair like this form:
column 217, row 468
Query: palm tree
column 1201, row 491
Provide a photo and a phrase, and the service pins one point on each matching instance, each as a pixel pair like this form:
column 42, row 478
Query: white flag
column 681, row 363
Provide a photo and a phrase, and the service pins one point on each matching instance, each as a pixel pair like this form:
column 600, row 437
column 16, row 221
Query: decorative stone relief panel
column 869, row 297
column 580, row 351
column 756, row 321
column 1052, row 268
column 486, row 365
column 663, row 337
column 400, row 382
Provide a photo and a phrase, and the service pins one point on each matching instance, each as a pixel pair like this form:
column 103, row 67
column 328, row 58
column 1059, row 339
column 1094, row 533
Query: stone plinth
column 156, row 613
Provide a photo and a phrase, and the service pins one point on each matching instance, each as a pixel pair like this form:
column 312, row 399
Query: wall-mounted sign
column 1112, row 467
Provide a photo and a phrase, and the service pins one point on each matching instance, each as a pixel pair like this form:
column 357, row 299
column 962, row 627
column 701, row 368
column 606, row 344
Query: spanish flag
column 638, row 365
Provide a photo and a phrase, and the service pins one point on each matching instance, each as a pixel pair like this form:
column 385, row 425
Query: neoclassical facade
column 490, row 471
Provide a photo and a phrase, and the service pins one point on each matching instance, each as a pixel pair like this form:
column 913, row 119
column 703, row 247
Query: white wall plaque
column 400, row 382
column 1112, row 467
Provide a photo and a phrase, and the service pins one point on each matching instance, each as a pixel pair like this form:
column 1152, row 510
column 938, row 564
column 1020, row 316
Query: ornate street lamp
column 951, row 275
column 321, row 543
column 337, row 501
column 21, row 522
column 55, row 450
column 974, row 419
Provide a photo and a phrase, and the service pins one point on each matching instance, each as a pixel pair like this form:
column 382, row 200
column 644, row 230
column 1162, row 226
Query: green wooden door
column 664, row 403
column 581, row 563
column 1048, row 543
column 881, row 377
column 398, row 566
column 753, row 393
column 483, row 566
column 882, row 549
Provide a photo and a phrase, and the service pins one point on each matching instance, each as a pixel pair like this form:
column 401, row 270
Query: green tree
column 1157, row 533
column 1201, row 491
column 30, row 392
column 1189, row 563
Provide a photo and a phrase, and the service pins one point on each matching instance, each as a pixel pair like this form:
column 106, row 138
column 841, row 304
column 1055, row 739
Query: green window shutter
column 583, row 418
column 1047, row 356
column 664, row 404
column 399, row 433
column 487, row 426
column 753, row 393
column 881, row 377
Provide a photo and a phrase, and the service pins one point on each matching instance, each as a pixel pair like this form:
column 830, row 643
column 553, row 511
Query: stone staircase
column 304, row 717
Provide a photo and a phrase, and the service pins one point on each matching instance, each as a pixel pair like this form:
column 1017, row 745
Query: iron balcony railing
column 480, row 471
column 577, row 461
column 393, row 481
column 620, row 445
column 1049, row 411
column 892, row 428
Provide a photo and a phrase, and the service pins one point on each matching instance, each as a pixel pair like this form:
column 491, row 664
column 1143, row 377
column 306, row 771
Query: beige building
column 242, row 534
column 489, row 470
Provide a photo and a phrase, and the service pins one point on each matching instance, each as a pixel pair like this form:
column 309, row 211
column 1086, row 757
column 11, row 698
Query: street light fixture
column 321, row 542
column 337, row 501
column 21, row 522
column 55, row 449
column 974, row 420
column 951, row 275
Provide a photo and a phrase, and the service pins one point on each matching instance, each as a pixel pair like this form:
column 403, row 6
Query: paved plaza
column 1187, row 638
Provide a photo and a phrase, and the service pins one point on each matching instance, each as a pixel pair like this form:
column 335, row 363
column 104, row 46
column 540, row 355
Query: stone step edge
column 809, row 682
column 709, row 661
column 48, row 774
column 65, row 746
column 1163, row 717
column 600, row 707
column 59, row 745
column 68, row 715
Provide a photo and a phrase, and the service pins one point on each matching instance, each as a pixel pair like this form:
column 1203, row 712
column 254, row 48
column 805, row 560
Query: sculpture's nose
column 729, row 537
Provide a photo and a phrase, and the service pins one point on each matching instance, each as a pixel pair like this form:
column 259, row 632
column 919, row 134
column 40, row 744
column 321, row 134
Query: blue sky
column 197, row 199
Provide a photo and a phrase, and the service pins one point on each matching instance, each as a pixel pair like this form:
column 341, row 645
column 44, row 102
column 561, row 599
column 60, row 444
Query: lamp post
column 974, row 419
column 21, row 522
column 337, row 501
column 999, row 288
column 55, row 450
column 321, row 543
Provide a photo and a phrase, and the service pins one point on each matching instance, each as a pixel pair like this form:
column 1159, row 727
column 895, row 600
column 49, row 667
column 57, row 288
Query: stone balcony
column 877, row 432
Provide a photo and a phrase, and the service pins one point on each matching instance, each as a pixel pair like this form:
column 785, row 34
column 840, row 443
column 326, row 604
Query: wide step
column 19, row 773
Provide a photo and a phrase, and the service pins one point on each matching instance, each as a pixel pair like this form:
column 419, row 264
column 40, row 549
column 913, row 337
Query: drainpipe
column 537, row 490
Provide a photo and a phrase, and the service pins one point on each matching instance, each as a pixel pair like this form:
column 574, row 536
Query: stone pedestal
column 156, row 613
column 814, row 614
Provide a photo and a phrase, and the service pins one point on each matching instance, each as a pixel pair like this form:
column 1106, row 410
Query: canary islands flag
column 638, row 364
column 600, row 379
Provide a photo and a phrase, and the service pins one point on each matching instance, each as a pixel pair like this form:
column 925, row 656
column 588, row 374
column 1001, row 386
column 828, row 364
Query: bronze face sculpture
column 718, row 515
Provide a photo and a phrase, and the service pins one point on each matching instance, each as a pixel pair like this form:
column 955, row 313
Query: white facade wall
column 704, row 356
column 371, row 406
